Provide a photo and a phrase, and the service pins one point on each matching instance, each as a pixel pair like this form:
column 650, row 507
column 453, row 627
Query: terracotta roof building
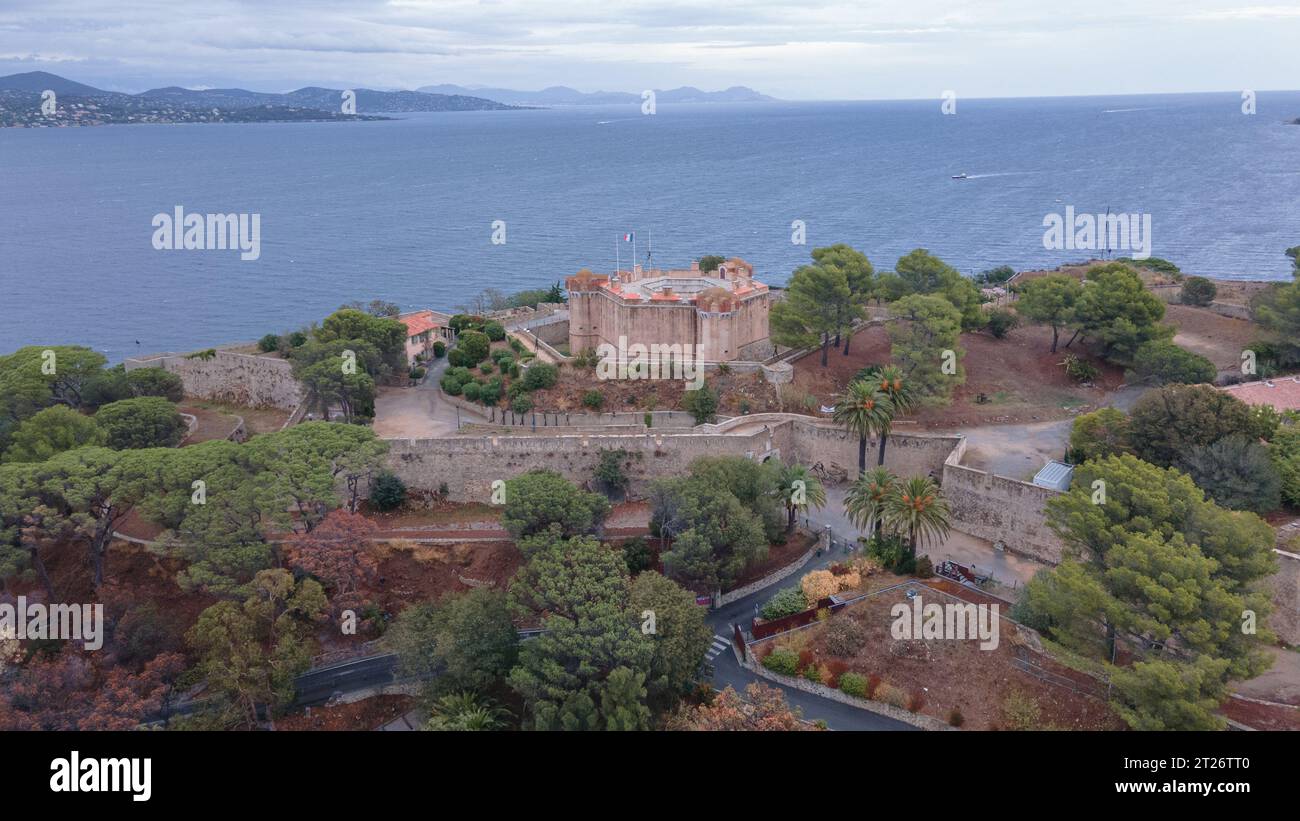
column 423, row 328
column 1282, row 393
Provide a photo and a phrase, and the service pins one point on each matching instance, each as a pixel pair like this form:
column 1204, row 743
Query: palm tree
column 916, row 509
column 865, row 502
column 466, row 711
column 890, row 381
column 798, row 489
column 863, row 410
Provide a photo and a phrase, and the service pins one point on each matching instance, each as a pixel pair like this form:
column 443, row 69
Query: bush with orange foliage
column 763, row 708
column 819, row 584
column 337, row 551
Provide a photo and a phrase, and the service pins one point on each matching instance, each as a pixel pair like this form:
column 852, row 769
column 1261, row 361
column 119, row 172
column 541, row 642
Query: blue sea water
column 403, row 209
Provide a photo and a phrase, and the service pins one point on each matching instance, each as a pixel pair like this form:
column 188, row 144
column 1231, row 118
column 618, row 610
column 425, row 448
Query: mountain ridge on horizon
column 367, row 100
column 37, row 81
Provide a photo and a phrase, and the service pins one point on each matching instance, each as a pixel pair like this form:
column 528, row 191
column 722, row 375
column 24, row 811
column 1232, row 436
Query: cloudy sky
column 804, row 49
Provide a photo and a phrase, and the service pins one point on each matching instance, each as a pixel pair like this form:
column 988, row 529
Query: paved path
column 1279, row 683
column 727, row 671
column 420, row 412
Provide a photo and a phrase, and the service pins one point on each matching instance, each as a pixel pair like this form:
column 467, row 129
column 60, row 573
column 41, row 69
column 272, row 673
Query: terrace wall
column 1000, row 509
column 233, row 378
column 1285, row 587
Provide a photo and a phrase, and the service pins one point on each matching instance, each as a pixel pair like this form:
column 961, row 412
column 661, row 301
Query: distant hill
column 230, row 99
column 563, row 95
column 39, row 81
column 325, row 99
column 394, row 101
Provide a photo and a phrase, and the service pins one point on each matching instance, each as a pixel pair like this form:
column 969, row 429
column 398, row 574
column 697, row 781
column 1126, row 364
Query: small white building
column 1055, row 475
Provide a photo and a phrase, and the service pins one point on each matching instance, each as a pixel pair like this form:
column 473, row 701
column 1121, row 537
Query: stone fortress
column 724, row 312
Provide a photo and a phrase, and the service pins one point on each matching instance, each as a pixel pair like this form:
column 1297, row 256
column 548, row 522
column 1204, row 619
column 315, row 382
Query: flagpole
column 617, row 242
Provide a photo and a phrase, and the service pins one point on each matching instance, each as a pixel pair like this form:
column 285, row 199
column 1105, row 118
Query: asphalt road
column 728, row 672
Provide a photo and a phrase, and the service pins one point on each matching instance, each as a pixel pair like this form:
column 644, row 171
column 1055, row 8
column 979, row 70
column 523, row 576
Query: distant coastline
column 39, row 99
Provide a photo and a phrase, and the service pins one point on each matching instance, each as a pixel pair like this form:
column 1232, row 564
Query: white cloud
column 815, row 48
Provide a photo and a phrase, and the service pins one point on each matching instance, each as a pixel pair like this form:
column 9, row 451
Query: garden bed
column 947, row 680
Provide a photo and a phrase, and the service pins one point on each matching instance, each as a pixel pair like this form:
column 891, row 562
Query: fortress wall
column 1285, row 586
column 469, row 465
column 235, row 378
column 905, row 454
column 984, row 505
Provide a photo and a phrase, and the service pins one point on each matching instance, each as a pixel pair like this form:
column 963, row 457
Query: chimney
column 695, row 267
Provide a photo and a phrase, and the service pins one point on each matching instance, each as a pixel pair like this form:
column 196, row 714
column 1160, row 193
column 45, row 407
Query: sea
column 427, row 210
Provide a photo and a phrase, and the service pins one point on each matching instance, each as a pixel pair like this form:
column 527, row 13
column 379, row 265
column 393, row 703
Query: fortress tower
column 724, row 311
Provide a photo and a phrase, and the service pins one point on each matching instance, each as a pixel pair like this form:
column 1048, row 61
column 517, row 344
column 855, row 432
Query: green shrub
column 854, row 685
column 297, row 339
column 782, row 660
column 540, row 375
column 813, row 673
column 1080, row 370
column 924, row 567
column 1162, row 361
column 472, row 391
column 439, row 349
column 784, row 603
column 490, row 392
column 451, row 385
column 417, row 372
column 702, row 404
column 892, row 553
column 486, row 367
column 593, row 399
column 1198, row 291
column 521, row 404
column 495, row 331
column 387, row 491
column 1001, row 322
column 638, row 555
column 268, row 343
column 474, row 346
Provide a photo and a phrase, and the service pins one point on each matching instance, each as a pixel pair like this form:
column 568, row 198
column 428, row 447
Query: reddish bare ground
column 956, row 675
column 132, row 576
column 1019, row 375
column 1262, row 716
column 411, row 573
column 367, row 714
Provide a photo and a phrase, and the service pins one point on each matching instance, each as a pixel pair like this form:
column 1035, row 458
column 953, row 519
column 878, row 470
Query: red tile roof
column 418, row 322
column 1283, row 393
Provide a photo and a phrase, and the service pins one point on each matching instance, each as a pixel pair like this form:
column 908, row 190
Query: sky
column 803, row 50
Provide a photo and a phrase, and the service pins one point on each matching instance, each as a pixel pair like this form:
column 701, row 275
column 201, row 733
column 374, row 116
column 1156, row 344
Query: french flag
column 628, row 237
